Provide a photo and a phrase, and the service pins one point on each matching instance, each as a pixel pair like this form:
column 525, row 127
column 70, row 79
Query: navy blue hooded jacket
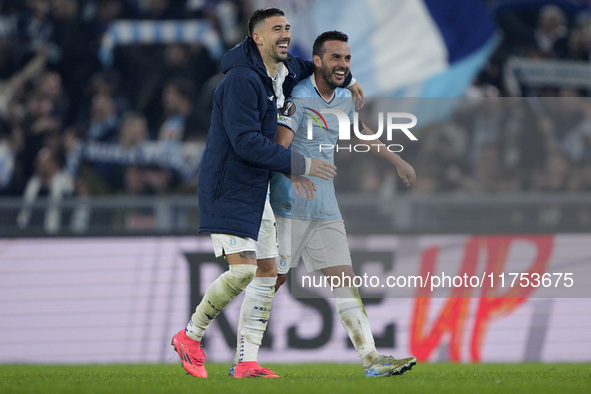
column 240, row 152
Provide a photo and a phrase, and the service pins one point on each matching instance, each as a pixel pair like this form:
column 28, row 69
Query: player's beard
column 327, row 75
column 275, row 55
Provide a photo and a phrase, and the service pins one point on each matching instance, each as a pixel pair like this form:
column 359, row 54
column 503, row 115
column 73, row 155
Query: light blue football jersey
column 307, row 105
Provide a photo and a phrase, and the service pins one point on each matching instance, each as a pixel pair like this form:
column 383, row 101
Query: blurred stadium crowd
column 72, row 125
column 498, row 143
column 55, row 95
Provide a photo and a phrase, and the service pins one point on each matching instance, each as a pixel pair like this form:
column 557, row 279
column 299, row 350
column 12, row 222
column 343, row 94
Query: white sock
column 354, row 319
column 254, row 315
column 223, row 290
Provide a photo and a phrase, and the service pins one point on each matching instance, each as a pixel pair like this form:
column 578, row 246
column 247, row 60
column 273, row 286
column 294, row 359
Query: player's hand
column 303, row 187
column 358, row 95
column 406, row 173
column 322, row 169
column 280, row 280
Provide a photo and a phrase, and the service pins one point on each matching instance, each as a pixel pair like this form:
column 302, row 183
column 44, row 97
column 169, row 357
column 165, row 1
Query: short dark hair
column 333, row 35
column 260, row 15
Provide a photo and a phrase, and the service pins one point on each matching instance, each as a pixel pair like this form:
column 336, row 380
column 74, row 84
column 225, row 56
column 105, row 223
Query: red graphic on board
column 493, row 302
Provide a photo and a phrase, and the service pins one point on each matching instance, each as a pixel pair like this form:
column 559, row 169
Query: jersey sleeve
column 290, row 114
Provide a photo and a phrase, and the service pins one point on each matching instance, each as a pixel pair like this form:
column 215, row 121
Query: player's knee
column 240, row 275
column 268, row 272
column 280, row 281
column 266, row 268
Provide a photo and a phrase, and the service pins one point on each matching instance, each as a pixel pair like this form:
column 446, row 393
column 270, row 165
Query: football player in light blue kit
column 313, row 230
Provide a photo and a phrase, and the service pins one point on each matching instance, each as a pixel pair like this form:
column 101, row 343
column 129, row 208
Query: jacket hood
column 244, row 54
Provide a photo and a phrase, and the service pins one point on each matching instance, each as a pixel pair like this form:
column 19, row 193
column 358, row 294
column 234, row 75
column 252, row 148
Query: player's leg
column 351, row 312
column 284, row 243
column 328, row 251
column 242, row 269
column 256, row 306
column 241, row 256
column 355, row 321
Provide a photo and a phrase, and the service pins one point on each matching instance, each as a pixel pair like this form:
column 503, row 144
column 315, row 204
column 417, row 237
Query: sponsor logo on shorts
column 233, row 242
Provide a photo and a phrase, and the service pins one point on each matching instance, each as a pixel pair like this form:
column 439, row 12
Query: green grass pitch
column 306, row 378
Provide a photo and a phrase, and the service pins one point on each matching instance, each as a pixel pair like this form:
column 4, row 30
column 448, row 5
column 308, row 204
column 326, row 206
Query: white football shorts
column 321, row 244
column 265, row 247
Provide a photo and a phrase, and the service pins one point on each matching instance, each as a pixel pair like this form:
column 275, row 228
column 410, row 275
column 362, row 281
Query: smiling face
column 334, row 63
column 273, row 37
